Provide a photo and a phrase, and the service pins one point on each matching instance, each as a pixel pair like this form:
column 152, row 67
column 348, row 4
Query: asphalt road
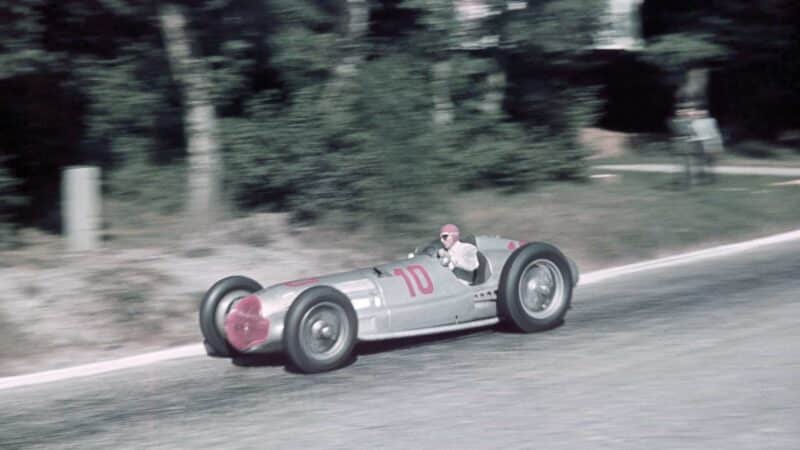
column 705, row 356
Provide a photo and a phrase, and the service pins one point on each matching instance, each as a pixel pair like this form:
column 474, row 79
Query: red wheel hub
column 244, row 326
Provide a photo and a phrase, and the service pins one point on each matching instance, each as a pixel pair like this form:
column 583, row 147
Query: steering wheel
column 432, row 249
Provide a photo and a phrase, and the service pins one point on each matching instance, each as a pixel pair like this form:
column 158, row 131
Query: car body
column 409, row 297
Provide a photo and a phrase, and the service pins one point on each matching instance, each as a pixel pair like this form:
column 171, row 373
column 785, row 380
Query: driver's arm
column 464, row 256
column 469, row 260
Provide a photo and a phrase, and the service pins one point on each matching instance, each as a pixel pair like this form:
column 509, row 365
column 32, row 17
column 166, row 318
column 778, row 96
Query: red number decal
column 514, row 245
column 415, row 269
column 428, row 287
column 402, row 273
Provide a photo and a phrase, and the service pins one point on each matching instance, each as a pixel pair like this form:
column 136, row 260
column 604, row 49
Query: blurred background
column 251, row 122
column 362, row 107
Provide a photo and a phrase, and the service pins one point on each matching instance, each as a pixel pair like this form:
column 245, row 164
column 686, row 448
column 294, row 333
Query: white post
column 80, row 199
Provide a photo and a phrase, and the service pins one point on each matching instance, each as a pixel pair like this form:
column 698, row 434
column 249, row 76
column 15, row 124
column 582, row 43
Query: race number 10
column 418, row 273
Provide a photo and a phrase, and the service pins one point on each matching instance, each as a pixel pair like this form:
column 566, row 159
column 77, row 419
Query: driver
column 457, row 255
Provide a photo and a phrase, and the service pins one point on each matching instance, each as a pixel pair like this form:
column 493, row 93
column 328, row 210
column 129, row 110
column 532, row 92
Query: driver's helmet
column 449, row 234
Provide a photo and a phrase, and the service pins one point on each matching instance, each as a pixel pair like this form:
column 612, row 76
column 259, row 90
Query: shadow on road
column 369, row 348
column 362, row 348
column 266, row 360
column 373, row 347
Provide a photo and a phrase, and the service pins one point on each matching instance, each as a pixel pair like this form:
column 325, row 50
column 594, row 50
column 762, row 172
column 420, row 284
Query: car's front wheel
column 215, row 306
column 320, row 330
column 535, row 288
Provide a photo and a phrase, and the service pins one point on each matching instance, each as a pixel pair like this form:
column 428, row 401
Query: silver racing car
column 317, row 321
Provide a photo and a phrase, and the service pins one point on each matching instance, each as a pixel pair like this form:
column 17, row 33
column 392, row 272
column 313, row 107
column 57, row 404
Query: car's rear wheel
column 216, row 304
column 320, row 330
column 535, row 288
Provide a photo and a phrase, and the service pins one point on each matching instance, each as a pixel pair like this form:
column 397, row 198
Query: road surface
column 703, row 356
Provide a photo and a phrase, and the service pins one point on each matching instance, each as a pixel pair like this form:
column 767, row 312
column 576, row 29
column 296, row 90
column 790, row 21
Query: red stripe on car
column 299, row 283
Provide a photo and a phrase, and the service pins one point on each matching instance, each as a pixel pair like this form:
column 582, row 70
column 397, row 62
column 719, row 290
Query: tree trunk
column 442, row 102
column 495, row 90
column 357, row 22
column 357, row 19
column 200, row 122
column 695, row 87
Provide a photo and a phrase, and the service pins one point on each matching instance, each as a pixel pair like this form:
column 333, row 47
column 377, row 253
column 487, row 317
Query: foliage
column 430, row 27
column 494, row 151
column 303, row 57
column 336, row 150
column 21, row 34
column 678, row 52
column 9, row 199
column 306, row 127
column 230, row 71
column 315, row 119
column 134, row 124
column 745, row 29
column 556, row 30
column 752, row 49
column 546, row 46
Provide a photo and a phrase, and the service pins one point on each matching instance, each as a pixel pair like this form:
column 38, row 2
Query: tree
column 544, row 49
column 312, row 105
column 200, row 122
column 9, row 200
column 21, row 32
column 751, row 49
column 32, row 138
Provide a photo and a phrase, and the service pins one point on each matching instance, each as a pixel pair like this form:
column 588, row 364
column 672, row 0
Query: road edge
column 192, row 350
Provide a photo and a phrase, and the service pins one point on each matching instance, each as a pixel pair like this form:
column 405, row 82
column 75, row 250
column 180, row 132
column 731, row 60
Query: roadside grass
column 11, row 338
column 733, row 156
column 625, row 218
column 600, row 223
column 132, row 294
column 637, row 216
column 727, row 159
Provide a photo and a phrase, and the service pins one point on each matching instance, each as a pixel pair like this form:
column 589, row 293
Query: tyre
column 215, row 305
column 535, row 288
column 320, row 330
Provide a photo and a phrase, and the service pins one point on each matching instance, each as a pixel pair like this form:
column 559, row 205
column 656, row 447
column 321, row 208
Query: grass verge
column 127, row 298
column 601, row 223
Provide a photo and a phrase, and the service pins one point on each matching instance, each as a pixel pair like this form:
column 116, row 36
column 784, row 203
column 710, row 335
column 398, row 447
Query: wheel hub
column 539, row 287
column 321, row 330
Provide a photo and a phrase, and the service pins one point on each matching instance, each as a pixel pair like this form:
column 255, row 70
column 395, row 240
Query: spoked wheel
column 535, row 288
column 320, row 330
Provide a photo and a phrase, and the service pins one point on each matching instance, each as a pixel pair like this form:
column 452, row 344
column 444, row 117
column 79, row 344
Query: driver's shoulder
column 467, row 247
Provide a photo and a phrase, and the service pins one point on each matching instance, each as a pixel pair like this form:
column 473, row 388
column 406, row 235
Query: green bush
column 133, row 119
column 367, row 147
column 145, row 187
column 489, row 151
column 360, row 146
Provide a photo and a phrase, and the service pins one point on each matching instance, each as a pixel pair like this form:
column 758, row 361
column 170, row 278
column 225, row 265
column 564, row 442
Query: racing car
column 317, row 321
